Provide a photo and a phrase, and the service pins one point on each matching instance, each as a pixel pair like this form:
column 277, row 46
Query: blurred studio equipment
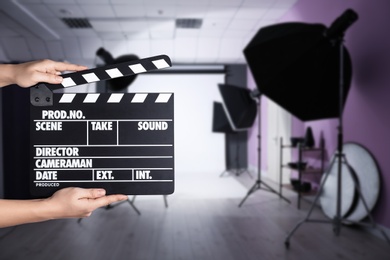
column 241, row 107
column 306, row 69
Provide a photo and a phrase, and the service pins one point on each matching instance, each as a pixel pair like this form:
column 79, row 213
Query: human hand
column 30, row 73
column 78, row 202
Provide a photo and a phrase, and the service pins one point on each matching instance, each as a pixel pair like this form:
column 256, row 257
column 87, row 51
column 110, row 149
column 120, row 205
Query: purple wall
column 366, row 113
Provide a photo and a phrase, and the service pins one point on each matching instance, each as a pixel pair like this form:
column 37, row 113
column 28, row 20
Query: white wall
column 198, row 151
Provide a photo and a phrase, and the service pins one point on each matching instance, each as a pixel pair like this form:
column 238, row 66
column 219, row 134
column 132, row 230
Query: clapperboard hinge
column 42, row 93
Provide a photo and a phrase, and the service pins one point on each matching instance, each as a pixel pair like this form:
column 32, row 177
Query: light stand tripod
column 237, row 171
column 110, row 206
column 338, row 219
column 259, row 181
column 131, row 202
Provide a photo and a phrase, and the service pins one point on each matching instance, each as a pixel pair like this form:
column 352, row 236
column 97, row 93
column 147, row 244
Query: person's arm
column 65, row 203
column 30, row 73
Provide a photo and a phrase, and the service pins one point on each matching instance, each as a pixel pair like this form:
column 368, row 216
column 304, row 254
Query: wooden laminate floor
column 192, row 228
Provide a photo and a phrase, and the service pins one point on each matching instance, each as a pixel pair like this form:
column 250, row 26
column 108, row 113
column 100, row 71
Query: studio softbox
column 297, row 66
column 239, row 106
column 220, row 121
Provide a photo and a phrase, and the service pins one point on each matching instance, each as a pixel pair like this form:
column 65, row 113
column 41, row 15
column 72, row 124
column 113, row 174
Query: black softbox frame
column 220, row 121
column 297, row 66
column 239, row 106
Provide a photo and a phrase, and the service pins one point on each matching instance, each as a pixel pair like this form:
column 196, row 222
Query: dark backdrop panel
column 236, row 150
column 236, row 144
column 16, row 139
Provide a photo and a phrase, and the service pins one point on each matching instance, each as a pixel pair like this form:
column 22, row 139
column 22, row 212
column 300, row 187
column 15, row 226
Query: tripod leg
column 251, row 190
column 336, row 222
column 258, row 182
column 134, row 207
column 165, row 201
column 223, row 173
column 321, row 187
column 274, row 191
column 247, row 171
column 287, row 240
column 373, row 223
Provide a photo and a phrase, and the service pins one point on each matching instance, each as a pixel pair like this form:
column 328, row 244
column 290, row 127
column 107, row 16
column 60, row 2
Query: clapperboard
column 123, row 142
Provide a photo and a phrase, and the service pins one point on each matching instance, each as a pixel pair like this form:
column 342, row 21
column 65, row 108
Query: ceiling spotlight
column 65, row 12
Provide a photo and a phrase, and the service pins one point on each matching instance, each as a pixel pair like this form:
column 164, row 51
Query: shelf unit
column 301, row 172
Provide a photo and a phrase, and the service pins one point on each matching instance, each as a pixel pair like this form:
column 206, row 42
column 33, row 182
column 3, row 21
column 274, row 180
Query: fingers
column 91, row 193
column 30, row 73
column 46, row 77
column 52, row 74
column 48, row 71
column 63, row 66
column 107, row 200
column 77, row 202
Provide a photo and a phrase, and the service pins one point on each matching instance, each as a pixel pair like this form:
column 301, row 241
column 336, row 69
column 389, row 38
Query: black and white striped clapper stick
column 40, row 94
column 113, row 71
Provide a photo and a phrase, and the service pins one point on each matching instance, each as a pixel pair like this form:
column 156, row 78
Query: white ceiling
column 32, row 29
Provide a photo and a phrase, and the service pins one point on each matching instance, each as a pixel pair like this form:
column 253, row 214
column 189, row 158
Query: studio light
column 220, row 121
column 306, row 69
column 241, row 106
column 239, row 113
column 297, row 66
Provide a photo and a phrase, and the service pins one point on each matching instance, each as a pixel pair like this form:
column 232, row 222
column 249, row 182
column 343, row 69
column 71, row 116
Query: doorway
column 279, row 126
